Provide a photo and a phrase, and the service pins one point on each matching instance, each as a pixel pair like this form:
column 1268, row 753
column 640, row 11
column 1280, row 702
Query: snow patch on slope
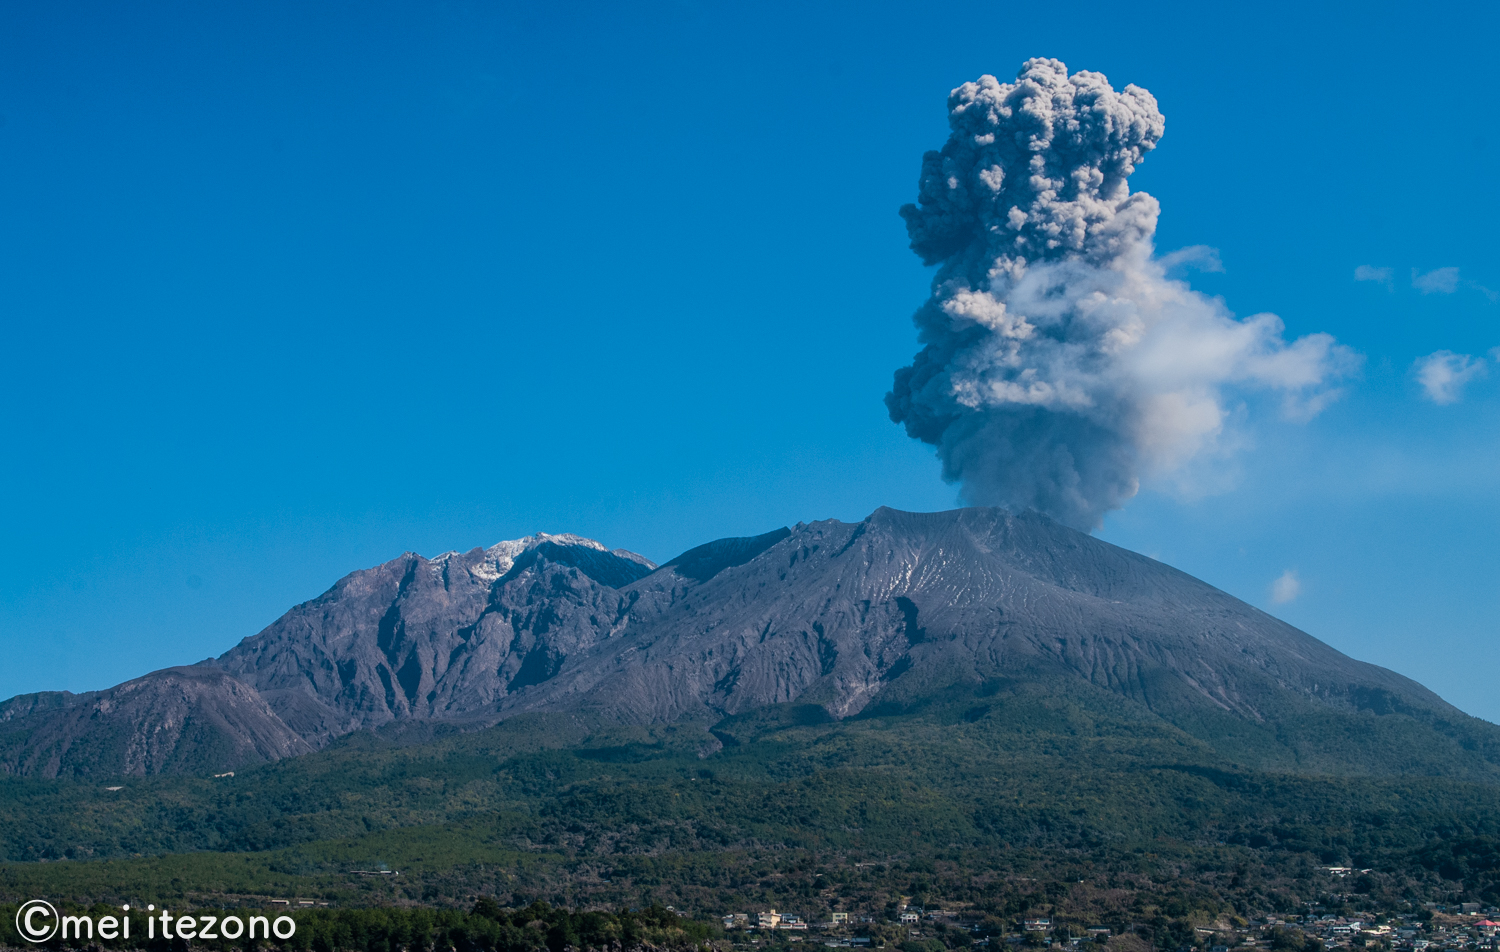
column 499, row 557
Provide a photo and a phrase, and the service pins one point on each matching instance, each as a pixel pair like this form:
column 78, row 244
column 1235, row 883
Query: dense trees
column 1020, row 808
column 485, row 928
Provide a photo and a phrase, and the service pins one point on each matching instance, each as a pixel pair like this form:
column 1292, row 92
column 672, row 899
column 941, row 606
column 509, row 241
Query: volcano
column 831, row 620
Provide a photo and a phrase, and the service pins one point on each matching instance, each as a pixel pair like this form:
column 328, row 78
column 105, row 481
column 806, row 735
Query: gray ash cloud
column 1061, row 362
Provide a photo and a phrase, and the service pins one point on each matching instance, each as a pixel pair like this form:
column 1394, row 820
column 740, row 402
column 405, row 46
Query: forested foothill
column 1026, row 803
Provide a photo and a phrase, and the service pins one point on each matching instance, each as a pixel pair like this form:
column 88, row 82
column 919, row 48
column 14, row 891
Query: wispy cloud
column 1285, row 588
column 1444, row 374
column 1437, row 281
column 1197, row 257
column 1368, row 272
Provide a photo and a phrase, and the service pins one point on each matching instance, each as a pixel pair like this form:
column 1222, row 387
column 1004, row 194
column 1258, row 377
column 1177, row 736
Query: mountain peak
column 899, row 611
column 490, row 564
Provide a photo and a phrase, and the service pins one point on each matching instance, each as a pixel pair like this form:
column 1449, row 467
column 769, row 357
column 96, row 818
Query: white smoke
column 1060, row 361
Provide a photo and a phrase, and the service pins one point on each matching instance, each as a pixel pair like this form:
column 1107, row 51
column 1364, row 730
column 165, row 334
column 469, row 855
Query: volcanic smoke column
column 1060, row 362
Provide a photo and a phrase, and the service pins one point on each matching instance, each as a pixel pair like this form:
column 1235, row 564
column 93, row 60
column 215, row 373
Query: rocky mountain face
column 448, row 638
column 888, row 615
column 904, row 610
column 171, row 721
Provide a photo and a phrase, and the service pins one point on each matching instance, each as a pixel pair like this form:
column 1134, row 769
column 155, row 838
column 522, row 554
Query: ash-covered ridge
column 177, row 720
column 898, row 613
column 447, row 638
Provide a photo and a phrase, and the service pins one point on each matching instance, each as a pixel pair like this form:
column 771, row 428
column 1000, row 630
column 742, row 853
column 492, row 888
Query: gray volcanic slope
column 446, row 639
column 897, row 613
column 170, row 721
column 905, row 609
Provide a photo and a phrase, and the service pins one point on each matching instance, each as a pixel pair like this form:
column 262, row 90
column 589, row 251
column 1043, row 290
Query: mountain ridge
column 179, row 719
column 887, row 614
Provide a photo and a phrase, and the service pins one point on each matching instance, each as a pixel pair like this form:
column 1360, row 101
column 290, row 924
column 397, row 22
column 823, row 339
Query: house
column 792, row 922
column 768, row 920
column 1038, row 925
column 841, row 918
column 909, row 917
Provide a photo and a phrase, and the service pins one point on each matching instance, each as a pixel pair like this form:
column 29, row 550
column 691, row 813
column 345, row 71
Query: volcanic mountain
column 833, row 620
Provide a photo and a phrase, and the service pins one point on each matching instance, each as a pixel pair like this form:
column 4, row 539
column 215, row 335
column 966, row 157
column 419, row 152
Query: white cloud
column 1384, row 276
column 1438, row 281
column 1285, row 588
column 1444, row 374
column 1198, row 257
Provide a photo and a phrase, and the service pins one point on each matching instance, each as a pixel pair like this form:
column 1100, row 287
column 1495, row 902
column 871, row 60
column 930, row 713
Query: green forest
column 484, row 928
column 1028, row 801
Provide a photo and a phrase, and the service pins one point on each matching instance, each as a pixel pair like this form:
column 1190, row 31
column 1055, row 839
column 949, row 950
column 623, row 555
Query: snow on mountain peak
column 500, row 557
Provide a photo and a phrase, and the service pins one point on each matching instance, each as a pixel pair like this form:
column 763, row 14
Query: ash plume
column 1061, row 362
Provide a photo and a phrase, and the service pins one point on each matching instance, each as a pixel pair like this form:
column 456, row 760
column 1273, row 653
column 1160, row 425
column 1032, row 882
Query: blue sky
column 288, row 289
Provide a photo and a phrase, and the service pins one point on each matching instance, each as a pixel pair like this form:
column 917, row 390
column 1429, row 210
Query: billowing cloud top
column 1037, row 169
column 1060, row 361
